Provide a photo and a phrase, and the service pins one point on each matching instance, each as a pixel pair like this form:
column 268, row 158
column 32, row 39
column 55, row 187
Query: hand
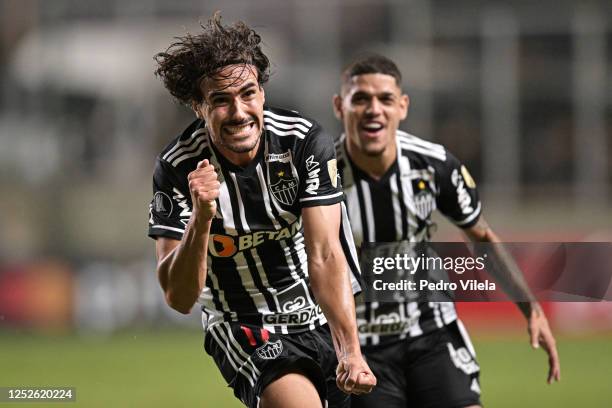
column 353, row 376
column 540, row 334
column 204, row 189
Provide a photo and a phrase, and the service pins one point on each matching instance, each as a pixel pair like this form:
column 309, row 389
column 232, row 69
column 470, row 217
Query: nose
column 374, row 107
column 237, row 110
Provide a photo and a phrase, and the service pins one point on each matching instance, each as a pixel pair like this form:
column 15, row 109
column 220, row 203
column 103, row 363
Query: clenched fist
column 353, row 376
column 204, row 189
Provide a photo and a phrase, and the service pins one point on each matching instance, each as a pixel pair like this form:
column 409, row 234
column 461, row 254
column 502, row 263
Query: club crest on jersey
column 283, row 183
column 424, row 202
column 270, row 350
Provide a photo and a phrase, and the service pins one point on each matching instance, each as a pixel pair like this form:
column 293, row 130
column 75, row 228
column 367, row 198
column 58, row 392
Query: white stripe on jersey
column 471, row 216
column 352, row 199
column 407, row 192
column 324, row 197
column 244, row 271
column 283, row 133
column 290, row 119
column 264, row 190
column 285, row 126
column 221, row 295
column 415, row 312
column 436, row 311
column 184, row 143
column 187, row 148
column 245, row 225
column 190, row 155
column 369, row 212
column 449, row 314
column 407, row 137
column 226, row 209
column 466, row 338
column 423, row 150
column 346, row 231
column 397, row 211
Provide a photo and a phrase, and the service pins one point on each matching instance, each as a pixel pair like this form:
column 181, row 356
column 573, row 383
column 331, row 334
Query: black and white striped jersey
column 398, row 206
column 257, row 265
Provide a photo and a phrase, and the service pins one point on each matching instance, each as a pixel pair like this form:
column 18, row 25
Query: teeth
column 373, row 126
column 237, row 129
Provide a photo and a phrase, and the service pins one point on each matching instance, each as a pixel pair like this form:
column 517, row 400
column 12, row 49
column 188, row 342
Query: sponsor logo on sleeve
column 312, row 181
column 463, row 197
column 162, row 204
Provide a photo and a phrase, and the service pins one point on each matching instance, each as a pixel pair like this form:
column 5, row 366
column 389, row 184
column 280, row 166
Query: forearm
column 182, row 272
column 332, row 288
column 501, row 265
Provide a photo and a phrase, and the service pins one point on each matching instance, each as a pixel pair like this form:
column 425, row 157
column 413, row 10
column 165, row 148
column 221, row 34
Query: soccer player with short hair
column 393, row 181
column 248, row 219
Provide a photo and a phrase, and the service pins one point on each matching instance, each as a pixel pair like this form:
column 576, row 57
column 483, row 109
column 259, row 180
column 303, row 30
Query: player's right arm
column 181, row 265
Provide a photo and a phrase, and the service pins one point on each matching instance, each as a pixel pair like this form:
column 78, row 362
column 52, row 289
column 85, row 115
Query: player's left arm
column 332, row 288
column 510, row 277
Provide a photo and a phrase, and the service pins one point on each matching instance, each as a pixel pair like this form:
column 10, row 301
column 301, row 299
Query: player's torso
column 257, row 266
column 396, row 207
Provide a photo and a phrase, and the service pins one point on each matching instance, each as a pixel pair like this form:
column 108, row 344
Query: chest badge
column 283, row 183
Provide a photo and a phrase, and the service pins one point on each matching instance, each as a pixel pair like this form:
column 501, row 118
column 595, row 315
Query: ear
column 263, row 93
column 195, row 107
column 404, row 104
column 337, row 102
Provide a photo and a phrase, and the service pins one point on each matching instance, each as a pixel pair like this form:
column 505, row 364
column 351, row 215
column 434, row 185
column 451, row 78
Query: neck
column 373, row 166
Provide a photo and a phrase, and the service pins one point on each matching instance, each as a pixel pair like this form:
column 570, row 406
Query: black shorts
column 250, row 358
column 437, row 369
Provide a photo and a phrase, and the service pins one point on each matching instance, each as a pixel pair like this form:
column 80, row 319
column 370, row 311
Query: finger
column 366, row 382
column 340, row 380
column 351, row 381
column 534, row 333
column 203, row 164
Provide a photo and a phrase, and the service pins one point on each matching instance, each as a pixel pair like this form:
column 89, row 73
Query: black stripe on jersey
column 402, row 205
column 364, row 218
column 382, row 208
column 231, row 276
column 258, row 282
column 216, row 298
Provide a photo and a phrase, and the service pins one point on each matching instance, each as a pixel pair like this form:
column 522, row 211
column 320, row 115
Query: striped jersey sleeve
column 319, row 181
column 457, row 197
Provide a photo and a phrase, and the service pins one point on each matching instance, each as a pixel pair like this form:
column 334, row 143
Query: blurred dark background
column 520, row 91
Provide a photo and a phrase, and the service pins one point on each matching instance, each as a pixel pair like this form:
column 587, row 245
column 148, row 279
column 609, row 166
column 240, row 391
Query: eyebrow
column 246, row 86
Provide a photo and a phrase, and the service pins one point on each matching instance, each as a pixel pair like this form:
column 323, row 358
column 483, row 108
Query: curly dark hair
column 192, row 58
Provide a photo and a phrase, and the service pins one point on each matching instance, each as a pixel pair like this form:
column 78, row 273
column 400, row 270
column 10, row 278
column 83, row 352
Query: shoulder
column 413, row 146
column 288, row 123
column 186, row 149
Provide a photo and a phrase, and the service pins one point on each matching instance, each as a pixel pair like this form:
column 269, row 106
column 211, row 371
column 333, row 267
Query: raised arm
column 181, row 265
column 331, row 285
column 510, row 277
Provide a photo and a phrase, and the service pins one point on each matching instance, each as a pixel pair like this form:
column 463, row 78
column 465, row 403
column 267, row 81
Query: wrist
column 201, row 224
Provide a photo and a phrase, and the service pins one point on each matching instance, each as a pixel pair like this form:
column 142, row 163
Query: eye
column 359, row 99
column 249, row 93
column 387, row 99
column 219, row 101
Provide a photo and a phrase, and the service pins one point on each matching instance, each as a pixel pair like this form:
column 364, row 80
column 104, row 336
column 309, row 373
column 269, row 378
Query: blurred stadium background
column 520, row 91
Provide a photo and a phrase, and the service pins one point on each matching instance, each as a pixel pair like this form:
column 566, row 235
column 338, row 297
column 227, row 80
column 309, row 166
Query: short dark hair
column 372, row 64
column 192, row 58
